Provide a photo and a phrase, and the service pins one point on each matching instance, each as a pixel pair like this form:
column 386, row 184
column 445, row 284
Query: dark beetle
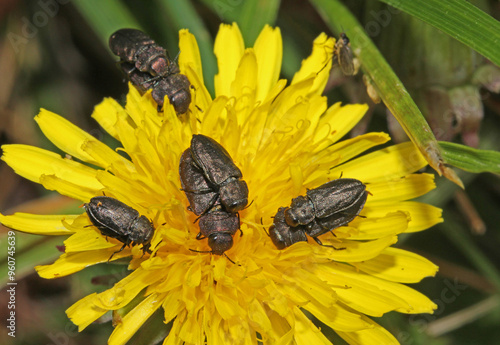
column 282, row 234
column 117, row 220
column 219, row 226
column 344, row 197
column 134, row 46
column 200, row 196
column 334, row 204
column 343, row 54
column 222, row 175
column 175, row 87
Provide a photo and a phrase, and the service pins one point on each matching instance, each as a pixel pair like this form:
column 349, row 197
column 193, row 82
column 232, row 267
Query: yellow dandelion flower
column 285, row 140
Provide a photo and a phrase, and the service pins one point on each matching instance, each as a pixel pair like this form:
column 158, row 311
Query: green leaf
column 251, row 15
column 105, row 17
column 470, row 159
column 254, row 15
column 459, row 19
column 388, row 85
column 30, row 250
column 459, row 236
column 183, row 15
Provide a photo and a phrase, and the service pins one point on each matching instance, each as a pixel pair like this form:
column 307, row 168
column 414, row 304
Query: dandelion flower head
column 285, row 139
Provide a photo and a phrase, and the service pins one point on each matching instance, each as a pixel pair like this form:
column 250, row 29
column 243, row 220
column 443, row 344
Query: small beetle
column 219, row 226
column 200, row 196
column 134, row 46
column 344, row 56
column 175, row 87
column 117, row 220
column 343, row 197
column 282, row 234
column 222, row 175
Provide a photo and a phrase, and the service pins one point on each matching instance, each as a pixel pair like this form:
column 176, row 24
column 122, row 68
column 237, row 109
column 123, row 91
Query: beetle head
column 220, row 242
column 301, row 212
column 234, row 195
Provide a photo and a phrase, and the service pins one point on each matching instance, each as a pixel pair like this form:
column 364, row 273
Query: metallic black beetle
column 134, row 46
column 175, row 87
column 148, row 66
column 117, row 220
column 219, row 226
column 343, row 197
column 222, row 175
column 215, row 223
column 334, row 204
column 343, row 53
column 200, row 195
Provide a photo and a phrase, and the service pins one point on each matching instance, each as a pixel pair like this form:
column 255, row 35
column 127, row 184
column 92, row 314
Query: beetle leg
column 239, row 224
column 227, row 257
column 145, row 248
column 200, row 237
column 118, row 251
column 318, row 241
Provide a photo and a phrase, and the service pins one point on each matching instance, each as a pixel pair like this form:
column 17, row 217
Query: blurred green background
column 54, row 54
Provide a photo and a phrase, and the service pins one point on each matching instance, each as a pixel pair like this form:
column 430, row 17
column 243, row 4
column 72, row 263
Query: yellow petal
column 389, row 163
column 358, row 293
column 317, row 65
column 269, row 52
column 107, row 114
column 284, row 115
column 393, row 223
column 354, row 251
column 338, row 153
column 228, row 48
column 374, row 335
column 172, row 305
column 337, row 317
column 69, row 263
column 190, row 54
column 105, row 155
column 200, row 97
column 84, row 312
column 135, row 319
column 87, row 240
column 423, row 216
column 398, row 265
column 31, row 163
column 308, row 288
column 143, row 111
column 38, row 224
column 244, row 85
column 338, row 120
column 258, row 317
column 408, row 187
column 214, row 118
column 352, row 147
column 356, row 289
column 64, row 134
column 305, row 332
column 68, row 137
column 51, row 182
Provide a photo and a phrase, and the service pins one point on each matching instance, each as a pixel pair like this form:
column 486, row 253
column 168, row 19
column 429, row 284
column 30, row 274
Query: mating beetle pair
column 215, row 191
column 322, row 209
column 148, row 66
